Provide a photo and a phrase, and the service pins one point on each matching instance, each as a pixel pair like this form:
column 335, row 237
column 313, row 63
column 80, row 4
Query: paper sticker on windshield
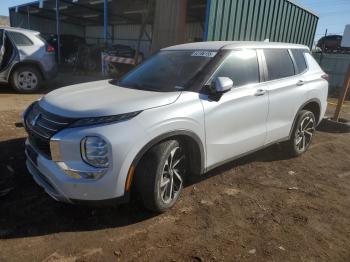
column 204, row 53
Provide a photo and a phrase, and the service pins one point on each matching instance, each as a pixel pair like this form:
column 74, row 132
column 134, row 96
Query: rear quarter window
column 299, row 59
column 20, row 39
column 279, row 63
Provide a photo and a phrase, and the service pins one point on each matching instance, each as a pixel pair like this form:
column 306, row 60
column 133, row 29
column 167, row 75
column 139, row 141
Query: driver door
column 236, row 123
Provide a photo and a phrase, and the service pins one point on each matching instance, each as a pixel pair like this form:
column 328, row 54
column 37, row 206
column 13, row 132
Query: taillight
column 50, row 49
column 325, row 77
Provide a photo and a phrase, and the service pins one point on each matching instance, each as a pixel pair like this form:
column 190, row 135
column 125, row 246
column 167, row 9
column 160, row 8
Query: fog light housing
column 94, row 151
column 92, row 174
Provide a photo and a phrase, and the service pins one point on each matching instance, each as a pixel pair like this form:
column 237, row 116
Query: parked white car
column 26, row 59
column 182, row 112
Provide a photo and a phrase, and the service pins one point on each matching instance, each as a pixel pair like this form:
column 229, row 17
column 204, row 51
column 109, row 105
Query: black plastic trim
column 103, row 203
column 301, row 107
column 165, row 136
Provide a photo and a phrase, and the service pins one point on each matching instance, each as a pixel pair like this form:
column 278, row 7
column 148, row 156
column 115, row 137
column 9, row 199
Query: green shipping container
column 257, row 20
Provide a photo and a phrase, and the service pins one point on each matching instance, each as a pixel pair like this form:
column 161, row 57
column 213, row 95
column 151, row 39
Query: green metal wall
column 257, row 20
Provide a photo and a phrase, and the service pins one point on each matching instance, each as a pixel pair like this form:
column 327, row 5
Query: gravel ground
column 264, row 207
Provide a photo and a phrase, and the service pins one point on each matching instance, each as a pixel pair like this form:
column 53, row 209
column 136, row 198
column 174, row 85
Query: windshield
column 167, row 71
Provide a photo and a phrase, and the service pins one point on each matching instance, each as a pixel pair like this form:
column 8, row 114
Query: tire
column 158, row 185
column 302, row 133
column 26, row 79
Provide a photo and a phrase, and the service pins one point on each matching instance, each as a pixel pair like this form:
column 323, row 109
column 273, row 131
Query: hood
column 101, row 98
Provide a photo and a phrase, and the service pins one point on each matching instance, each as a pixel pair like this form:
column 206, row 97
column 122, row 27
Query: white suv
column 26, row 59
column 184, row 111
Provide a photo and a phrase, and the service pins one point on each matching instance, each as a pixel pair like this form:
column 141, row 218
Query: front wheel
column 26, row 79
column 160, row 175
column 302, row 133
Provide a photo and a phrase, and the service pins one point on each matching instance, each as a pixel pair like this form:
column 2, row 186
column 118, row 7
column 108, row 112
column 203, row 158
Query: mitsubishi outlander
column 184, row 111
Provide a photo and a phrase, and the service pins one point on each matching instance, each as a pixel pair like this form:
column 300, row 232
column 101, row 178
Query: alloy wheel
column 172, row 176
column 304, row 133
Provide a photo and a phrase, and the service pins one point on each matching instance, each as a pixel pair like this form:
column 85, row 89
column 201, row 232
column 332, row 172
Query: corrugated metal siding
column 256, row 20
column 194, row 31
column 169, row 26
column 45, row 26
column 128, row 35
column 130, row 31
column 121, row 34
column 94, row 34
column 336, row 66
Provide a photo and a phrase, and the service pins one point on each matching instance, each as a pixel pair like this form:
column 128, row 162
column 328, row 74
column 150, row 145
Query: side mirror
column 223, row 84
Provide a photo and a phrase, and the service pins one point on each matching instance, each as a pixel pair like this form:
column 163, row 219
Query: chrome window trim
column 279, row 79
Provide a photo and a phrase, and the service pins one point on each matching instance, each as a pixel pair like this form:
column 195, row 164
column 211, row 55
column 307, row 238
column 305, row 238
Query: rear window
column 279, row 63
column 299, row 58
column 20, row 39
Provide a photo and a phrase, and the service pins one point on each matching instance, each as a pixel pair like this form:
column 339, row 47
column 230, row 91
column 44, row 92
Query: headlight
column 94, row 151
column 104, row 119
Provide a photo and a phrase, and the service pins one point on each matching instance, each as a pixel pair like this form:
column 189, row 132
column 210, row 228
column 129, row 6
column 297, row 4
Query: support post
column 206, row 25
column 105, row 23
column 145, row 18
column 342, row 95
column 11, row 16
column 28, row 17
column 58, row 31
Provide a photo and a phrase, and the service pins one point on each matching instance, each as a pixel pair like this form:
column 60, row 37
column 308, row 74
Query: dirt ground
column 264, row 207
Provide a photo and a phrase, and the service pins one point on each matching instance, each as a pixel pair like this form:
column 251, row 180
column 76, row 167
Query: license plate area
column 32, row 155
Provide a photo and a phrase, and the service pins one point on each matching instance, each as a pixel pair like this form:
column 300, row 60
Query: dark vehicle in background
column 69, row 45
column 26, row 59
column 331, row 43
column 123, row 51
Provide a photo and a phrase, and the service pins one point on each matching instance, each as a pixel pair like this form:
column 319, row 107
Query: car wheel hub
column 27, row 80
column 304, row 133
column 171, row 178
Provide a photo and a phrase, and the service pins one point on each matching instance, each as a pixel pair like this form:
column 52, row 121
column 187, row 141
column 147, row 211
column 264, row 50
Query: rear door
column 24, row 45
column 236, row 124
column 286, row 93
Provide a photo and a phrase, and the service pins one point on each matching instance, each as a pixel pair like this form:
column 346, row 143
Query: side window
column 299, row 58
column 20, row 39
column 279, row 63
column 241, row 66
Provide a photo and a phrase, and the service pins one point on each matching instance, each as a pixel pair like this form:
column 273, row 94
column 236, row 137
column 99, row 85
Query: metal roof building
column 152, row 24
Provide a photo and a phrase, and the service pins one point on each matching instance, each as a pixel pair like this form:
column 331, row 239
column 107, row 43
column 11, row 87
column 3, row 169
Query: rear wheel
column 302, row 133
column 26, row 79
column 160, row 175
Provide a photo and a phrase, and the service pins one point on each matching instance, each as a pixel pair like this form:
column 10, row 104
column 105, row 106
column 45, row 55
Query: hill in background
column 4, row 20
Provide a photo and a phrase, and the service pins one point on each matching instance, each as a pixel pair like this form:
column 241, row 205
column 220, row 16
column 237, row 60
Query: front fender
column 182, row 118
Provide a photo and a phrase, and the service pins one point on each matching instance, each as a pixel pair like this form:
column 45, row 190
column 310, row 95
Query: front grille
column 41, row 126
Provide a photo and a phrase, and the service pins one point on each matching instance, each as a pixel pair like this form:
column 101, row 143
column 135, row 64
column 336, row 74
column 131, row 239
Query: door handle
column 300, row 83
column 260, row 92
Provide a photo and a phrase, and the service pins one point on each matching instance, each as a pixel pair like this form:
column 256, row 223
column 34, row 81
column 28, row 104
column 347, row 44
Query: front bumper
column 37, row 169
column 48, row 175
